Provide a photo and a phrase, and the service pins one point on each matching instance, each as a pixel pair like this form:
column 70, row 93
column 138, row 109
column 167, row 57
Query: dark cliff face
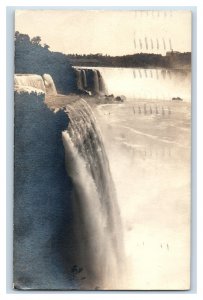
column 42, row 206
column 33, row 58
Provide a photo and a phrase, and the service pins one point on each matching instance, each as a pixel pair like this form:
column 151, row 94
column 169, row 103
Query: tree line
column 139, row 60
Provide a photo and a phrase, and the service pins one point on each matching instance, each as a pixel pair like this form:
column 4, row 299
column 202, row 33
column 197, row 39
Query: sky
column 108, row 32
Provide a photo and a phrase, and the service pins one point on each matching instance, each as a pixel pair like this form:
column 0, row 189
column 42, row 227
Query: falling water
column 84, row 79
column 90, row 80
column 79, row 79
column 97, row 221
column 44, row 83
column 49, row 85
column 32, row 80
column 147, row 84
column 96, row 81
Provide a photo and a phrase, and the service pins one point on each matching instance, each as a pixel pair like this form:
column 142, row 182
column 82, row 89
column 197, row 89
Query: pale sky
column 108, row 32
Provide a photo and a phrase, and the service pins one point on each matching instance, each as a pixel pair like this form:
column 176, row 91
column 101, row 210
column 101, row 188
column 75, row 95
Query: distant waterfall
column 31, row 80
column 79, row 78
column 96, row 81
column 139, row 83
column 84, row 79
column 44, row 83
column 90, row 80
column 97, row 220
column 102, row 86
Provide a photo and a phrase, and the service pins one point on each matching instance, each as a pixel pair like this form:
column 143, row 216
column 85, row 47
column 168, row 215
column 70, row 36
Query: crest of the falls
column 31, row 82
column 97, row 221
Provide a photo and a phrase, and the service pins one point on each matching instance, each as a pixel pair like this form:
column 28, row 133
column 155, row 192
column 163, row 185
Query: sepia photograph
column 102, row 150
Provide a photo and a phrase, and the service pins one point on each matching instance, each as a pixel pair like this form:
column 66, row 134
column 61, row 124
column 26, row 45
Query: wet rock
column 120, row 98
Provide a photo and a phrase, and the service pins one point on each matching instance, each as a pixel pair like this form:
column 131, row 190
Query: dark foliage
column 139, row 60
column 31, row 57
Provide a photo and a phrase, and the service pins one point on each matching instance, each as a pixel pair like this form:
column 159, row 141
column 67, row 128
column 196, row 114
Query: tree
column 46, row 46
column 36, row 40
column 21, row 38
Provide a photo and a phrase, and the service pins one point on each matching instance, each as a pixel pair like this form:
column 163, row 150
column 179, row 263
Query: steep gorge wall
column 43, row 241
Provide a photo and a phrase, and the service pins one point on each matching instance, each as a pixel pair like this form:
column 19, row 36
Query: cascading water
column 102, row 86
column 96, row 81
column 84, row 79
column 90, row 80
column 88, row 245
column 44, row 83
column 49, row 85
column 97, row 221
column 79, row 79
column 31, row 80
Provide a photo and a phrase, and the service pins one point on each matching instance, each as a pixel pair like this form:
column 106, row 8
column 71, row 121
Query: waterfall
column 102, row 87
column 44, row 83
column 97, row 221
column 84, row 78
column 79, row 79
column 90, row 80
column 29, row 80
column 148, row 84
column 49, row 85
column 96, row 81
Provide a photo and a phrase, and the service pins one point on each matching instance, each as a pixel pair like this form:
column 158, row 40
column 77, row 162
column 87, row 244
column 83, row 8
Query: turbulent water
column 31, row 80
column 44, row 83
column 97, row 222
column 147, row 143
column 138, row 83
column 148, row 146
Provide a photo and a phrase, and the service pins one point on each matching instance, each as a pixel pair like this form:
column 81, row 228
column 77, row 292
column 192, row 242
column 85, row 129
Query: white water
column 90, row 80
column 27, row 89
column 34, row 82
column 49, row 85
column 29, row 80
column 97, row 222
column 147, row 143
column 139, row 83
column 149, row 155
